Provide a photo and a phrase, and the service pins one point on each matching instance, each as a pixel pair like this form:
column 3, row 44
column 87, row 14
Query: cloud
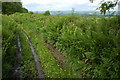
column 42, row 5
column 25, row 2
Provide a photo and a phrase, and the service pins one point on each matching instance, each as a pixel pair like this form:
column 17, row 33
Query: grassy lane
column 50, row 65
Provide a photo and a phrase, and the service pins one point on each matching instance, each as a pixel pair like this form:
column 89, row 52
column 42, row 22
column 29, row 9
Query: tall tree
column 12, row 7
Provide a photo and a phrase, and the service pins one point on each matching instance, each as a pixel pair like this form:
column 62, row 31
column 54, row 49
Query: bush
column 47, row 13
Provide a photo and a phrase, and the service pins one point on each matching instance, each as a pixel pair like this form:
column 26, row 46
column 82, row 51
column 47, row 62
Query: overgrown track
column 38, row 65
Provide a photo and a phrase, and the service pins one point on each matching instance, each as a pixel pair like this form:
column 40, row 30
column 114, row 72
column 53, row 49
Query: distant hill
column 79, row 13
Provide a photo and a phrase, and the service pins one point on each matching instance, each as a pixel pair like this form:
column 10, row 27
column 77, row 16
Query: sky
column 60, row 5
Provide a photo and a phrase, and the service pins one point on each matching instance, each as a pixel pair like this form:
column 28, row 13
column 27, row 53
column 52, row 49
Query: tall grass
column 9, row 29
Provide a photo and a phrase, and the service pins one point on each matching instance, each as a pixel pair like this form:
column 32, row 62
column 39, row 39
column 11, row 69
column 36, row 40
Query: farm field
column 64, row 46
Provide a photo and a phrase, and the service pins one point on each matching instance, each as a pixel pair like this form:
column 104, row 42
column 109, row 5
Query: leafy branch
column 106, row 5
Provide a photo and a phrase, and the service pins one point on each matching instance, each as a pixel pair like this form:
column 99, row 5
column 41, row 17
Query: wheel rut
column 57, row 55
column 36, row 59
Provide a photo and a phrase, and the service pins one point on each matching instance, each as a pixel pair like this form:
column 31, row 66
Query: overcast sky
column 60, row 5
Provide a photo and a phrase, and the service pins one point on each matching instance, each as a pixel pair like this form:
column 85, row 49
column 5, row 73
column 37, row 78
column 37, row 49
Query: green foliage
column 106, row 5
column 24, row 10
column 47, row 13
column 12, row 7
column 9, row 29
